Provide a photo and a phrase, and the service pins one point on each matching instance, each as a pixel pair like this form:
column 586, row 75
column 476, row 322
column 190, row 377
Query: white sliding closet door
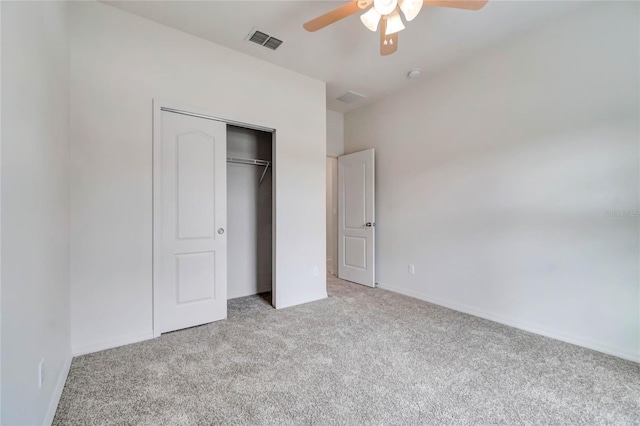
column 192, row 281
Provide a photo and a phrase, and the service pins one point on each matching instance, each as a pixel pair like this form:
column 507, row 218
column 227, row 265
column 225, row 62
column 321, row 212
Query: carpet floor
column 362, row 356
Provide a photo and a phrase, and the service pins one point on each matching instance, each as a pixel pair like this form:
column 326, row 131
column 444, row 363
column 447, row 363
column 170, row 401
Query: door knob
column 221, row 231
column 368, row 224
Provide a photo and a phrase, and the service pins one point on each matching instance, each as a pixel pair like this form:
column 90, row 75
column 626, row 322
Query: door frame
column 334, row 253
column 159, row 106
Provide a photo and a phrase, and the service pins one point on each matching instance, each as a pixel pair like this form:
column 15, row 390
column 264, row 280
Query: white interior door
column 356, row 217
column 192, row 281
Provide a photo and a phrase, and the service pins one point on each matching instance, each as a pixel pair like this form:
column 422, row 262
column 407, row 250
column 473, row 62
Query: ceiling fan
column 385, row 14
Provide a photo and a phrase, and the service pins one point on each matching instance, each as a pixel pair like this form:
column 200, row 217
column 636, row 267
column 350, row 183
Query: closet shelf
column 251, row 162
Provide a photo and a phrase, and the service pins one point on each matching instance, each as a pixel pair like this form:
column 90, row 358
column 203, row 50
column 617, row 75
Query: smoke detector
column 263, row 39
column 414, row 74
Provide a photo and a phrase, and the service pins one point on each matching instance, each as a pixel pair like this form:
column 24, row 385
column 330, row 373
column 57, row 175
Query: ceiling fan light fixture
column 371, row 19
column 410, row 8
column 387, row 17
column 385, row 7
column 394, row 23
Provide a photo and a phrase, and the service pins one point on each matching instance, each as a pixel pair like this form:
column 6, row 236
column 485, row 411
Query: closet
column 249, row 212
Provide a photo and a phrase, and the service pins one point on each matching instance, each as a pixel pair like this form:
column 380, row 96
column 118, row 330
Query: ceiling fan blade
column 333, row 16
column 392, row 40
column 458, row 4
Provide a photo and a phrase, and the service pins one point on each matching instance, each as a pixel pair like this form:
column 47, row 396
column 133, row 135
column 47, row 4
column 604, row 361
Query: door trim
column 159, row 106
column 332, row 262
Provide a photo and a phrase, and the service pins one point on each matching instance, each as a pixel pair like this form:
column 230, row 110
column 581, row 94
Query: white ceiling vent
column 351, row 97
column 263, row 39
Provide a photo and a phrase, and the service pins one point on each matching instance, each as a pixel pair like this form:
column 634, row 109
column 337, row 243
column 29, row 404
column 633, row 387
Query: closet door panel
column 195, row 183
column 191, row 284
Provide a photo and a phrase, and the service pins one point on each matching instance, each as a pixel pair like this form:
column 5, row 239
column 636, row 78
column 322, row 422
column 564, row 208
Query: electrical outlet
column 41, row 373
column 315, row 271
column 412, row 269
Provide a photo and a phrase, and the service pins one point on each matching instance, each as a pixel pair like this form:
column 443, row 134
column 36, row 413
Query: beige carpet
column 363, row 356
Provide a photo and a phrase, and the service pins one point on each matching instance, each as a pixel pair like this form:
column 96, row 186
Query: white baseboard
column 57, row 392
column 513, row 322
column 290, row 304
column 113, row 343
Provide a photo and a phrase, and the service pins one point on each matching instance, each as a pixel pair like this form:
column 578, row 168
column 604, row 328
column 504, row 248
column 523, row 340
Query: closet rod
column 251, row 162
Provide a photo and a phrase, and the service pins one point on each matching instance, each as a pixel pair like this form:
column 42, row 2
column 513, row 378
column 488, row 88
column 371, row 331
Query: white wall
column 335, row 133
column 249, row 215
column 35, row 209
column 496, row 178
column 119, row 63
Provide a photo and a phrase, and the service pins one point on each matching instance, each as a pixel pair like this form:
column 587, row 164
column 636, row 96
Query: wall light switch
column 315, row 271
column 412, row 269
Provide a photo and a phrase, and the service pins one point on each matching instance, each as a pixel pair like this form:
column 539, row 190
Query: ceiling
column 346, row 54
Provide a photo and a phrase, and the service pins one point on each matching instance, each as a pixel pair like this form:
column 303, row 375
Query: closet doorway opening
column 213, row 216
column 249, row 213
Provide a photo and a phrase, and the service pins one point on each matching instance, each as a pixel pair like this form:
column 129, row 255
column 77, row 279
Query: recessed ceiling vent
column 263, row 39
column 351, row 97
